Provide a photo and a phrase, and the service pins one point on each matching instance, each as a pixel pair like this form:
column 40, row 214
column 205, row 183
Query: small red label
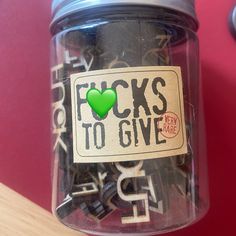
column 169, row 125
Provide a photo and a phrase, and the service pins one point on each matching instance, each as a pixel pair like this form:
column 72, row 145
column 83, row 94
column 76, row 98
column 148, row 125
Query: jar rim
column 64, row 8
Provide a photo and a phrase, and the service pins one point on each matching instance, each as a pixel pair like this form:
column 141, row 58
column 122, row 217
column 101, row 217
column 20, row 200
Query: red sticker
column 170, row 125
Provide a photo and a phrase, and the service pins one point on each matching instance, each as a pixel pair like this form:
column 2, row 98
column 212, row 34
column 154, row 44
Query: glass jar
column 129, row 155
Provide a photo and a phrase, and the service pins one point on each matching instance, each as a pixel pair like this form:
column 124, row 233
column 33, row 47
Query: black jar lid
column 63, row 8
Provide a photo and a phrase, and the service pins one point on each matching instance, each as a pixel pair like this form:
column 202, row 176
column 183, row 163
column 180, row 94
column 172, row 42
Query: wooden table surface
column 21, row 217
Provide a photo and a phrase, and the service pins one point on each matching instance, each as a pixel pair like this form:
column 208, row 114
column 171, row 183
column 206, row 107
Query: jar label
column 146, row 122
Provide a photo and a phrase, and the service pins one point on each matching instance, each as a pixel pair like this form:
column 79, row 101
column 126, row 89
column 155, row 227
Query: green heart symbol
column 101, row 102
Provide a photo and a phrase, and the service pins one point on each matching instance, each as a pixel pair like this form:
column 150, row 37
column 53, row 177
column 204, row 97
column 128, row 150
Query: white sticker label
column 146, row 122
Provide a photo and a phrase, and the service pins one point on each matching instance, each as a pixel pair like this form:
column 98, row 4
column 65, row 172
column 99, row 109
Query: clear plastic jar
column 127, row 119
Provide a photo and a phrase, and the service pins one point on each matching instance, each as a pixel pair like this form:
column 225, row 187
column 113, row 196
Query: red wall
column 25, row 94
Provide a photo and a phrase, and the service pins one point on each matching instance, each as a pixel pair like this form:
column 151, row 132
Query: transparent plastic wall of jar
column 140, row 169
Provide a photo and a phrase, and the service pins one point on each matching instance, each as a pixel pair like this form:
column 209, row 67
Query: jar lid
column 63, row 8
